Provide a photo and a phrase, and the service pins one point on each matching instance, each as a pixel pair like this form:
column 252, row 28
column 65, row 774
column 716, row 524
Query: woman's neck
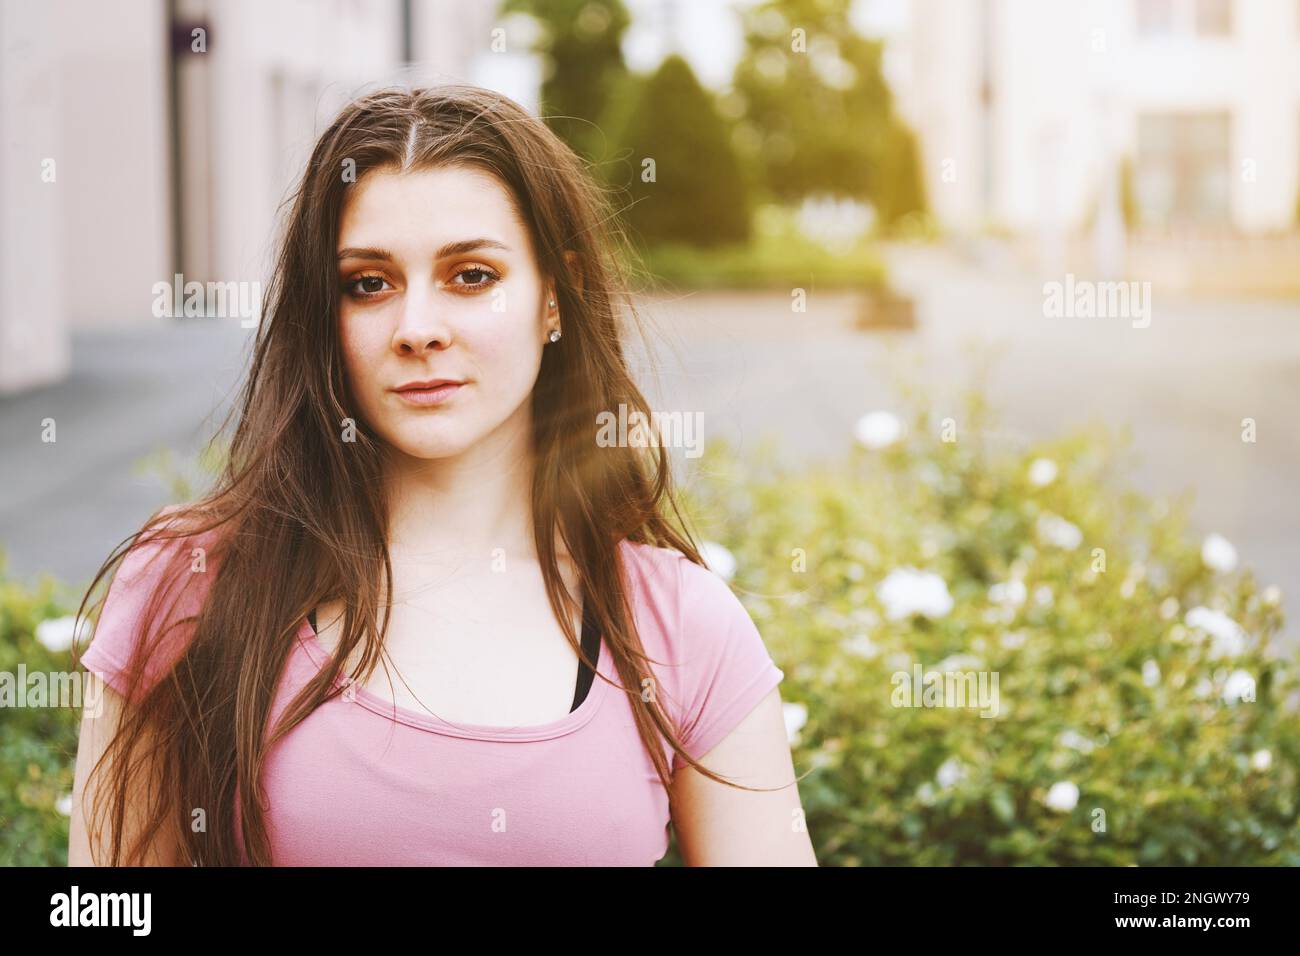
column 470, row 504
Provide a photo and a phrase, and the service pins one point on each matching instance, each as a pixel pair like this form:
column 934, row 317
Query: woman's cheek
column 505, row 352
column 361, row 357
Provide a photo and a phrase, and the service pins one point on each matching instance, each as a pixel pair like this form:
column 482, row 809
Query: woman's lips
column 430, row 396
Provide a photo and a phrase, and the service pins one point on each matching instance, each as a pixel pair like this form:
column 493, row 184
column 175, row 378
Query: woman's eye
column 364, row 287
column 477, row 272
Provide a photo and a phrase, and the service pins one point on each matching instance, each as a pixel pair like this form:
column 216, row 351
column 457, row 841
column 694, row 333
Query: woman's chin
column 430, row 447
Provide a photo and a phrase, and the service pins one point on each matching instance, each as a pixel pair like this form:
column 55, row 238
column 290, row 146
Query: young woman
column 415, row 481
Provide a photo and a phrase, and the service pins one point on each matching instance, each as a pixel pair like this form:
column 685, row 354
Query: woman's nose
column 423, row 322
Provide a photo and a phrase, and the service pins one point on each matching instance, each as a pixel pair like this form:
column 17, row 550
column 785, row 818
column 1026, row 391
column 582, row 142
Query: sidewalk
column 65, row 505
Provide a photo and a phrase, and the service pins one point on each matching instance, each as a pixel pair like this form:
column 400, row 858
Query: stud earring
column 555, row 335
column 552, row 303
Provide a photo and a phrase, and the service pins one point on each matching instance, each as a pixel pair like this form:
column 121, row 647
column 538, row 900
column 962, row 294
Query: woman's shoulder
column 171, row 532
column 664, row 575
column 713, row 665
column 693, row 605
column 157, row 590
column 661, row 563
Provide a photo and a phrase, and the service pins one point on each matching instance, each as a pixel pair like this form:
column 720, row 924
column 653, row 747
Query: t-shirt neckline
column 369, row 700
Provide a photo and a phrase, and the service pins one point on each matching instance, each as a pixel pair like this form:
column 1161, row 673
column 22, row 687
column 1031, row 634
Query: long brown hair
column 298, row 517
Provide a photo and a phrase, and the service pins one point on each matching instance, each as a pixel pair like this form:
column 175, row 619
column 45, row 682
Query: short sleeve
column 725, row 668
column 146, row 575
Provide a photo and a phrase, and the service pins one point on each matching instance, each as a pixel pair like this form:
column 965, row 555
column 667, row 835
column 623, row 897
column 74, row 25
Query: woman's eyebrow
column 375, row 254
column 469, row 245
column 450, row 249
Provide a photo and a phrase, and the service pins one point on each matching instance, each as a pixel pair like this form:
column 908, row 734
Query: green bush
column 778, row 257
column 1104, row 685
column 37, row 744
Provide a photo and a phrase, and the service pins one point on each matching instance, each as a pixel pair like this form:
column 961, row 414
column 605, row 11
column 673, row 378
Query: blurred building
column 147, row 138
column 1045, row 117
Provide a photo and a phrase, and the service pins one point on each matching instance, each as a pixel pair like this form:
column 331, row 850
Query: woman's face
column 439, row 281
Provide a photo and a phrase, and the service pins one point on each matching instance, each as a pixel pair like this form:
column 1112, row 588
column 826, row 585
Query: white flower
column 951, row 773
column 861, row 645
column 925, row 793
column 1168, row 608
column 929, row 474
column 1013, row 640
column 720, row 561
column 796, row 715
column 959, row 662
column 1271, row 595
column 998, row 614
column 878, row 430
column 1054, row 529
column 1042, row 471
column 1229, row 637
column 1239, row 686
column 1012, row 592
column 930, row 544
column 865, row 616
column 1075, row 741
column 58, row 633
column 1150, row 673
column 64, row 805
column 1043, row 596
column 831, row 220
column 907, row 591
column 1261, row 760
column 1218, row 553
column 1063, row 796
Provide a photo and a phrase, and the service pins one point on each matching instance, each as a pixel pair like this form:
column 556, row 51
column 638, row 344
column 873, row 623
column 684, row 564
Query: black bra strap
column 591, row 648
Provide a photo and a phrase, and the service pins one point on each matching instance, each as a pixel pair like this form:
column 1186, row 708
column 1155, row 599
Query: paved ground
column 65, row 505
column 755, row 368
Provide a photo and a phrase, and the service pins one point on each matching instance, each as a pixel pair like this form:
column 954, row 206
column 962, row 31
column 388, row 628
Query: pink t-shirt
column 364, row 783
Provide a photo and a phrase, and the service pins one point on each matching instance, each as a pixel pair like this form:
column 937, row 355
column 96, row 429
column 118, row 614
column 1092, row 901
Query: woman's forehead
column 431, row 206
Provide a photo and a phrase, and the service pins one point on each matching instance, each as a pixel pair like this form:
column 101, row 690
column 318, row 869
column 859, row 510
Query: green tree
column 818, row 115
column 581, row 42
column 900, row 174
column 686, row 182
column 1128, row 194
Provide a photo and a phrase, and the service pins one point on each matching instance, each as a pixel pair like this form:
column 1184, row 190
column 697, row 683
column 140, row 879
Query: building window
column 1213, row 18
column 1182, row 169
column 1169, row 18
column 1155, row 18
